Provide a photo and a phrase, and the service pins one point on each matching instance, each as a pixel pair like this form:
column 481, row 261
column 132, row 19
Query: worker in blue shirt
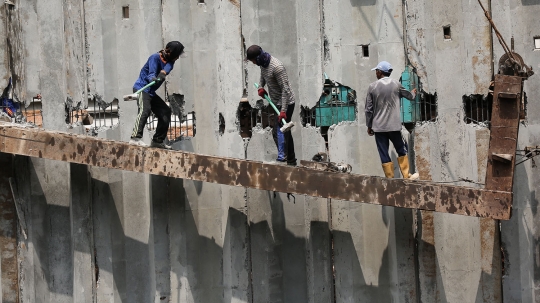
column 158, row 66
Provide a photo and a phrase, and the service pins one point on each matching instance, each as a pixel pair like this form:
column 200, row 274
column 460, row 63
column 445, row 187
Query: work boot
column 291, row 162
column 404, row 167
column 160, row 145
column 137, row 141
column 388, row 169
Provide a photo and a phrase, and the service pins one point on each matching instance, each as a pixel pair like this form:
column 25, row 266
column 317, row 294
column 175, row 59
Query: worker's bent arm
column 369, row 109
column 153, row 69
column 403, row 93
column 262, row 82
column 168, row 67
column 283, row 80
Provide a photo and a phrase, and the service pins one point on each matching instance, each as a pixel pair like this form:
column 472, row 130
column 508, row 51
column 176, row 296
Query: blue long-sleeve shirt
column 150, row 70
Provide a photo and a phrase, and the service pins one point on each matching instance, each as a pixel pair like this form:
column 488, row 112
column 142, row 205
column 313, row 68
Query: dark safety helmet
column 253, row 52
column 174, row 50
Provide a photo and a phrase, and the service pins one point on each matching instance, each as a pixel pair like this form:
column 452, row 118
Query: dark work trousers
column 383, row 142
column 290, row 156
column 160, row 109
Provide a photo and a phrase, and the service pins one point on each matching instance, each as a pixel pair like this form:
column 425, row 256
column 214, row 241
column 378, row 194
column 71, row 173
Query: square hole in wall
column 201, row 1
column 125, row 12
column 447, row 33
column 365, row 51
column 537, row 42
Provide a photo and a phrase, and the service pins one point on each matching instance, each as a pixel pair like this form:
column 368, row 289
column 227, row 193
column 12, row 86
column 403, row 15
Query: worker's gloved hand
column 160, row 78
column 262, row 92
column 282, row 115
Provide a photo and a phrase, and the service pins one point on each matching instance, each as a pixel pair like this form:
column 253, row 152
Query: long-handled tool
column 286, row 126
column 135, row 95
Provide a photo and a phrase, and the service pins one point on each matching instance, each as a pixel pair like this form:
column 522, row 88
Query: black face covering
column 175, row 50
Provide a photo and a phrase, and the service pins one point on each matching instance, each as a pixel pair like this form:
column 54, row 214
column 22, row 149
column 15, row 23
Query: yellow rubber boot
column 388, row 169
column 404, row 167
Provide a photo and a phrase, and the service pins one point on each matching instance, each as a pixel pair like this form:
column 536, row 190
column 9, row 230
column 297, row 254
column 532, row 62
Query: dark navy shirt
column 150, row 70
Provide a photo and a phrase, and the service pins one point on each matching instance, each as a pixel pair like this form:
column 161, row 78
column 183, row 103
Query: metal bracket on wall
column 504, row 133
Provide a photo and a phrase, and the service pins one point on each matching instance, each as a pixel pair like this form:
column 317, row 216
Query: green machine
column 410, row 110
column 336, row 104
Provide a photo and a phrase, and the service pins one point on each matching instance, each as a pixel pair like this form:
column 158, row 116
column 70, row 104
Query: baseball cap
column 383, row 66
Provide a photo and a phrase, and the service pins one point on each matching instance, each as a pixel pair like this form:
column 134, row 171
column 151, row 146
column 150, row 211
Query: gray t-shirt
column 383, row 112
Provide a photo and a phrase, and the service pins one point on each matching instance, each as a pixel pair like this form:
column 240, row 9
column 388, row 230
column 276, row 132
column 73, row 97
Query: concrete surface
column 97, row 235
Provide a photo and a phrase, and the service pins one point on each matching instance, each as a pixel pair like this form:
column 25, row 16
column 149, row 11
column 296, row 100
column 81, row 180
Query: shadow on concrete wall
column 530, row 2
column 518, row 244
column 283, row 266
column 360, row 3
column 50, row 248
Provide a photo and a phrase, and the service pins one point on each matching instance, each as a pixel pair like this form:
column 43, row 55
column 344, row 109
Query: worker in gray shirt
column 274, row 75
column 383, row 118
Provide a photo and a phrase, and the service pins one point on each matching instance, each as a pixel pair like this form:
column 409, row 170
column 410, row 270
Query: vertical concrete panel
column 347, row 26
column 109, row 239
column 101, row 45
column 205, row 63
column 310, row 52
column 467, row 54
column 180, row 285
column 31, row 39
column 8, row 232
column 426, row 256
column 490, row 246
column 277, row 237
column 82, row 234
column 176, row 25
column 50, row 231
column 75, row 57
column 52, row 65
column 350, row 24
column 25, row 248
column 4, row 56
column 439, row 272
column 269, row 24
column 523, row 29
column 204, row 241
column 319, row 255
column 57, row 194
column 14, row 49
column 213, row 217
column 374, row 245
column 130, row 41
column 280, row 224
column 519, row 235
column 138, row 229
column 159, row 186
column 230, row 86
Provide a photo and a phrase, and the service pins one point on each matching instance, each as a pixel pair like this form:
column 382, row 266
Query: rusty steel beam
column 507, row 94
column 245, row 173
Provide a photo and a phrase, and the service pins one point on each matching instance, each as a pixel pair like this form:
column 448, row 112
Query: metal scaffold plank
column 245, row 173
